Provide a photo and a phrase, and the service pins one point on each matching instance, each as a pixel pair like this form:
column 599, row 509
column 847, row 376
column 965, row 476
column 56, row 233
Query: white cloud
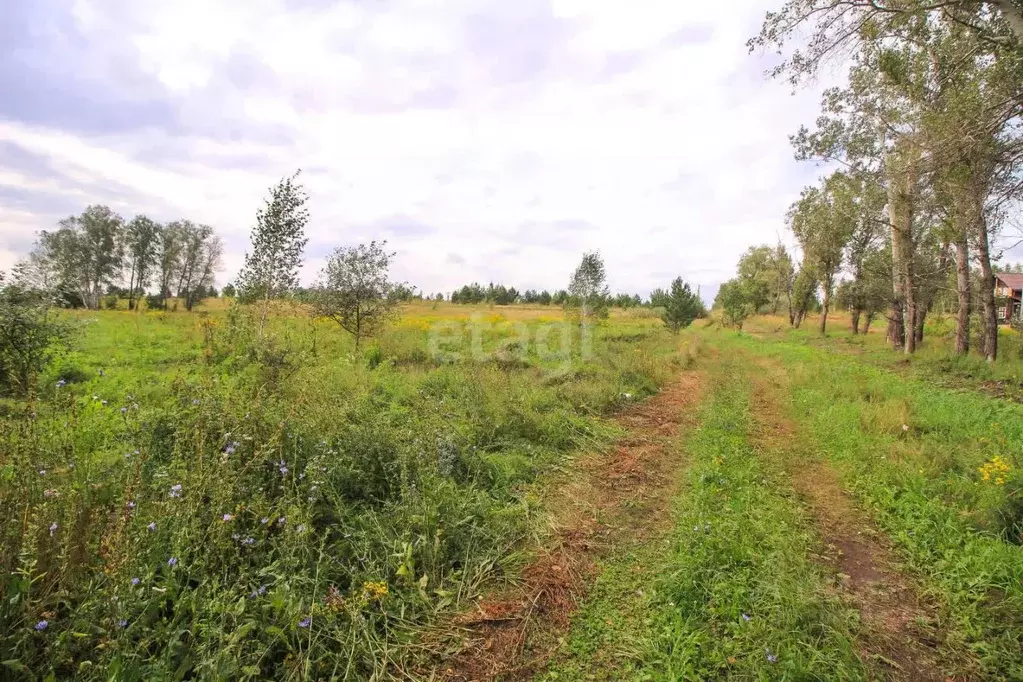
column 500, row 126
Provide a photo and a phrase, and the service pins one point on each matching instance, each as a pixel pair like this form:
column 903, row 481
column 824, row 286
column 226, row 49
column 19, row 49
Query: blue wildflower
column 771, row 658
column 124, row 410
column 42, row 625
column 305, row 622
column 62, row 383
column 249, row 541
column 173, row 561
column 175, row 490
column 135, row 581
column 152, row 526
column 746, row 617
column 53, row 528
column 264, row 520
column 122, row 623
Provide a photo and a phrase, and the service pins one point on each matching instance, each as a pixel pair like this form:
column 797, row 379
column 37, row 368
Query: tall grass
column 184, row 505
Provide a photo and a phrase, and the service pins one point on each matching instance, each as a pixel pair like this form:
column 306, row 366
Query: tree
column 142, row 238
column 736, row 299
column 353, row 289
column 278, row 240
column 199, row 259
column 228, row 291
column 85, row 254
column 588, row 287
column 681, row 306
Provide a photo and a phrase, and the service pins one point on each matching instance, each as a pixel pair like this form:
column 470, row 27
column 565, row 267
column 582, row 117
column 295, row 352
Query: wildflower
column 122, row 623
column 258, row 592
column 281, row 521
column 305, row 622
column 53, row 528
column 227, row 517
column 195, row 401
column 62, row 383
column 301, row 528
column 283, row 468
column 235, row 536
column 375, row 590
column 131, row 505
column 771, row 658
column 42, row 625
column 100, row 371
column 905, row 427
column 175, row 490
column 95, row 397
column 135, row 581
column 248, row 541
column 124, row 410
column 746, row 617
column 264, row 520
column 103, row 402
column 152, row 526
column 42, row 472
column 173, row 561
column 229, row 449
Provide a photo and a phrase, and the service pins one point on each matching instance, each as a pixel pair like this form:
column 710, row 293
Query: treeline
column 928, row 138
column 99, row 254
column 498, row 294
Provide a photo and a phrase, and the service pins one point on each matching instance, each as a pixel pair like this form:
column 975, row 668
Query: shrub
column 29, row 336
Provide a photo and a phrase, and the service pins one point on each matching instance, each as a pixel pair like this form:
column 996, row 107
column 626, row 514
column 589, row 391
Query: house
column 1008, row 294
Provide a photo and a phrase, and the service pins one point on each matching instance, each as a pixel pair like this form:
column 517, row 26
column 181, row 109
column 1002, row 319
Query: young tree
column 588, row 287
column 736, row 298
column 354, row 290
column 278, row 240
column 823, row 221
column 142, row 245
column 681, row 306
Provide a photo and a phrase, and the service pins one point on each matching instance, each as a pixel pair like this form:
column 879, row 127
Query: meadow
column 177, row 506
column 765, row 504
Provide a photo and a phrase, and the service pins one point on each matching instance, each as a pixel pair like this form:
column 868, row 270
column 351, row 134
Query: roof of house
column 1011, row 280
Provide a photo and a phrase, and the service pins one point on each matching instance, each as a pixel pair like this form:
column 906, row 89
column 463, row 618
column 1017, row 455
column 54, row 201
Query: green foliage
column 680, row 306
column 278, row 240
column 737, row 299
column 389, row 495
column 354, row 290
column 30, row 336
column 588, row 289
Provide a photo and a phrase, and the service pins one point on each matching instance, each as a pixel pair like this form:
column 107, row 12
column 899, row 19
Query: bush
column 29, row 337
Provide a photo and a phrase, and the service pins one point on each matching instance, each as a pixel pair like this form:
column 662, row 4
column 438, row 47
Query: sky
column 485, row 140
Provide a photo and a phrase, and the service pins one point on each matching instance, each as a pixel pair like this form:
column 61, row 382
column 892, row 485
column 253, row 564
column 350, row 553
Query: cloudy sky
column 488, row 140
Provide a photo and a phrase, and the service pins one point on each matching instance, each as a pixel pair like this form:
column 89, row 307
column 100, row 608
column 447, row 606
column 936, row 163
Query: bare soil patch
column 607, row 499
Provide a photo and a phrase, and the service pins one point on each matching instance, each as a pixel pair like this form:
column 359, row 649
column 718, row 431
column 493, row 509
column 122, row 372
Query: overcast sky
column 490, row 140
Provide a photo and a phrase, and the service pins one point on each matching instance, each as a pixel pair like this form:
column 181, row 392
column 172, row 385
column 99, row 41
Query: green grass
column 732, row 590
column 912, row 453
column 310, row 474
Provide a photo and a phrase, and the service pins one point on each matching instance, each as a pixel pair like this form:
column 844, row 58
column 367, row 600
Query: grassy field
column 185, row 501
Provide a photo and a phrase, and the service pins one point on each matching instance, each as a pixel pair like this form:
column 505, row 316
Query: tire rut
column 901, row 641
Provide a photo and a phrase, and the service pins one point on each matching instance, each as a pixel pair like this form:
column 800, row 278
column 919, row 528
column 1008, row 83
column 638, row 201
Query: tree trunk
column 987, row 289
column 825, row 304
column 866, row 323
column 963, row 292
column 896, row 327
column 856, row 321
column 901, row 188
column 921, row 316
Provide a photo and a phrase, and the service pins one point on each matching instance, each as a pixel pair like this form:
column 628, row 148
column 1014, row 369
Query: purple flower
column 53, row 528
column 227, row 517
column 175, row 490
column 173, row 561
column 248, row 541
column 42, row 625
column 195, row 401
column 42, row 472
column 62, row 383
column 305, row 622
column 264, row 520
column 771, row 658
column 231, row 447
column 283, row 468
column 152, row 526
column 135, row 581
column 746, row 617
column 131, row 504
column 124, row 410
column 281, row 521
column 122, row 623
column 258, row 593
